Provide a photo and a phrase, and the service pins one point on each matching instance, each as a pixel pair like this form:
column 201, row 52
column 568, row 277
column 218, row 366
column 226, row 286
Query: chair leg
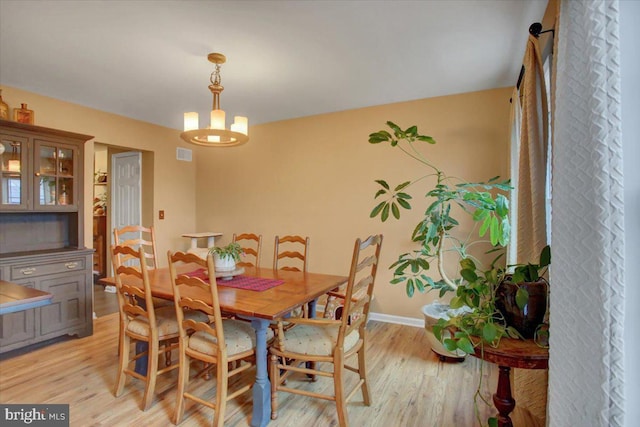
column 341, row 404
column 222, row 385
column 123, row 360
column 274, row 373
column 183, row 381
column 152, row 374
column 362, row 371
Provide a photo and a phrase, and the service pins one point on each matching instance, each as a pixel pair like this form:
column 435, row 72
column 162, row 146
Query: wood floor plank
column 409, row 386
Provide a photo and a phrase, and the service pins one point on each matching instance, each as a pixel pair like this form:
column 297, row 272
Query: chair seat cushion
column 239, row 337
column 316, row 340
column 165, row 321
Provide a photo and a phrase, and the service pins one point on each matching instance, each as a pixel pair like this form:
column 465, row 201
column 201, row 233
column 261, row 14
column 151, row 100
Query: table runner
column 258, row 284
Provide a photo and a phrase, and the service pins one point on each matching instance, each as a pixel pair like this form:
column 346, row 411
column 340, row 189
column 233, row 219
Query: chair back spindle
column 291, row 252
column 252, row 246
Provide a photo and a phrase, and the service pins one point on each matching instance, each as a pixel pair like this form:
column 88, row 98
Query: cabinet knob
column 37, row 174
column 27, row 271
column 71, row 265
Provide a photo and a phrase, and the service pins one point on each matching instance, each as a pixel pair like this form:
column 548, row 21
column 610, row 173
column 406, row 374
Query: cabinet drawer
column 33, row 270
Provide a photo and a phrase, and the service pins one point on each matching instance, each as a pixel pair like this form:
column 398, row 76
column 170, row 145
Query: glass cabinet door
column 13, row 191
column 55, row 168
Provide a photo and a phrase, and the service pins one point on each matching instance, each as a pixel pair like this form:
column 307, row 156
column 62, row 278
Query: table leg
column 311, row 305
column 503, row 399
column 262, row 387
column 142, row 362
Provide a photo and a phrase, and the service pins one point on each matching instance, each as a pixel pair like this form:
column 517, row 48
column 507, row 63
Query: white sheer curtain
column 586, row 367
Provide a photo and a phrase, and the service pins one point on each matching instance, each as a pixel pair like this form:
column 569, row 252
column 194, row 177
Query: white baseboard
column 387, row 318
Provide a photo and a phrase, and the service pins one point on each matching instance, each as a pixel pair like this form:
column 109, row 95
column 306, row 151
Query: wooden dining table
column 260, row 307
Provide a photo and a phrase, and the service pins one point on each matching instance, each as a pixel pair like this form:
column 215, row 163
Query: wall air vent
column 183, row 154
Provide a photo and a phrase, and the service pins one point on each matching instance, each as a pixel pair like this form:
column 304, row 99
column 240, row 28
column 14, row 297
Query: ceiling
column 148, row 59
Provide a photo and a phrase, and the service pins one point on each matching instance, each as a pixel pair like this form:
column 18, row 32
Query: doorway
column 103, row 204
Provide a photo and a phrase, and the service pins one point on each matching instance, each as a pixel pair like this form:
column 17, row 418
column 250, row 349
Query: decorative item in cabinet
column 23, row 114
column 56, row 166
column 4, row 110
column 14, row 183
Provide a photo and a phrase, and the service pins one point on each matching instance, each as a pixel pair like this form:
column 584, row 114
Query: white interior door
column 126, row 186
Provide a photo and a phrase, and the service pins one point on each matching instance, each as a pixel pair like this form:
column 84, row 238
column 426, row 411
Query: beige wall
column 315, row 176
column 312, row 176
column 173, row 180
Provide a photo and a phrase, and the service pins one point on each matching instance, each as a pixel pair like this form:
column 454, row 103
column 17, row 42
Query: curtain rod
column 535, row 30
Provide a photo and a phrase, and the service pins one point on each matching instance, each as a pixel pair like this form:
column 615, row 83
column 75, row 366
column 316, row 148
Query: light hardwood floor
column 409, row 386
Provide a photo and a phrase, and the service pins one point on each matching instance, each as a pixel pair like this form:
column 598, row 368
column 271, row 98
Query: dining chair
column 226, row 345
column 330, row 341
column 137, row 236
column 289, row 255
column 141, row 321
column 252, row 246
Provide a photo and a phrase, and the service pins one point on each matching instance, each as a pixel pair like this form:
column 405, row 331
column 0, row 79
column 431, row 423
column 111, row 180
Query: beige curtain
column 532, row 170
column 530, row 387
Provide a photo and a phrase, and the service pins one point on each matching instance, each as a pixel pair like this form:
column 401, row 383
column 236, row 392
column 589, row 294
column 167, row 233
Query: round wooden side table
column 524, row 354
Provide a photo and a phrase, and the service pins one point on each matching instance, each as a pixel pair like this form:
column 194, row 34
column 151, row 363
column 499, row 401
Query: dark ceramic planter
column 527, row 320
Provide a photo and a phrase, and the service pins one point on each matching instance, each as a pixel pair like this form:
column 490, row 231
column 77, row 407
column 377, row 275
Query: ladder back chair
column 328, row 340
column 294, row 253
column 137, row 236
column 219, row 343
column 252, row 246
column 290, row 253
column 140, row 321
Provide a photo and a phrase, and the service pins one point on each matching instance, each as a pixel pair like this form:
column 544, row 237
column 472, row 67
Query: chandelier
column 216, row 135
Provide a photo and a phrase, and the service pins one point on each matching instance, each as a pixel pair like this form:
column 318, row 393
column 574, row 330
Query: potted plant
column 522, row 297
column 436, row 235
column 478, row 312
column 225, row 257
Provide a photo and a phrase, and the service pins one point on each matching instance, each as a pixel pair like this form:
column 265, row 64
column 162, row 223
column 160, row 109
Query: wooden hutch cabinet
column 42, row 232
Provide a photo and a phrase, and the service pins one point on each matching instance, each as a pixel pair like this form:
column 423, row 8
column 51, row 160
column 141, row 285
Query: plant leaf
column 545, row 256
column 465, row 345
column 377, row 209
column 485, row 226
column 494, row 229
column 380, row 193
column 426, row 138
column 502, row 206
column 385, row 212
column 469, row 275
column 449, row 344
column 489, row 332
column 404, row 203
column 410, row 288
column 401, row 186
column 522, row 297
column 395, row 211
column 383, row 183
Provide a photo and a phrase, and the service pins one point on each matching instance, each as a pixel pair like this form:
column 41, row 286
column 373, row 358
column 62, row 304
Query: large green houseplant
column 436, row 235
